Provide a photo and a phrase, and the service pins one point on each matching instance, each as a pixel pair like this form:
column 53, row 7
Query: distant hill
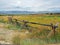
column 17, row 12
column 28, row 12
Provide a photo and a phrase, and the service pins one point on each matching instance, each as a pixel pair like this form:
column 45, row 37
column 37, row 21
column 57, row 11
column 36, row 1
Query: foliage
column 41, row 32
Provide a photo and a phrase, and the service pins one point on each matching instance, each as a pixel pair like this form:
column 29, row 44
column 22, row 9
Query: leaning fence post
column 25, row 24
column 54, row 30
column 17, row 23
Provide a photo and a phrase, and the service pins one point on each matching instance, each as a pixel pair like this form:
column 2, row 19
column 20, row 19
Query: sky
column 29, row 5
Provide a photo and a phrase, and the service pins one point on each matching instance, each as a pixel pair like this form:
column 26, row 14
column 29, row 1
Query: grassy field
column 35, row 34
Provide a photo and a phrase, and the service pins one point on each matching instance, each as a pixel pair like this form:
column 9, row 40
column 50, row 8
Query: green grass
column 40, row 19
column 13, row 27
column 32, row 42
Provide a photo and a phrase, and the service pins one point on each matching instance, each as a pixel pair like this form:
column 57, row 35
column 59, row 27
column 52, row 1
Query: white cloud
column 31, row 5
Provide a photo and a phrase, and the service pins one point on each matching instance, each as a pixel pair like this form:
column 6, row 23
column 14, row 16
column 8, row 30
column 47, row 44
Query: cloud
column 29, row 5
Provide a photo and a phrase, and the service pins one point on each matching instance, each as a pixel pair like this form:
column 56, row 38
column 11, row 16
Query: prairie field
column 32, row 29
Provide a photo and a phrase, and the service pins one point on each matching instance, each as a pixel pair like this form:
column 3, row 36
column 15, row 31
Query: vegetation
column 37, row 34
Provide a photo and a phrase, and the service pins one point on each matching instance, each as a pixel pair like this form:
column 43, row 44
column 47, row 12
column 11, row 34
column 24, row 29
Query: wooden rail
column 26, row 24
column 50, row 25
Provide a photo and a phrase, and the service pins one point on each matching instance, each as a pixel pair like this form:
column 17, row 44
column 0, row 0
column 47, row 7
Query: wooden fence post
column 54, row 31
column 10, row 19
column 25, row 25
column 17, row 23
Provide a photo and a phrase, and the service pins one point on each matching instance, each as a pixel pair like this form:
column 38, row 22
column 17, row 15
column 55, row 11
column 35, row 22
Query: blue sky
column 29, row 5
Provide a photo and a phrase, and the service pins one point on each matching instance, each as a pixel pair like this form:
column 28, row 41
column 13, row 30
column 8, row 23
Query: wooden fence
column 17, row 22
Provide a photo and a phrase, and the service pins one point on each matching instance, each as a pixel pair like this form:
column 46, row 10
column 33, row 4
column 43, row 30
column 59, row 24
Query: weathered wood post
column 25, row 24
column 54, row 30
column 17, row 23
column 10, row 19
